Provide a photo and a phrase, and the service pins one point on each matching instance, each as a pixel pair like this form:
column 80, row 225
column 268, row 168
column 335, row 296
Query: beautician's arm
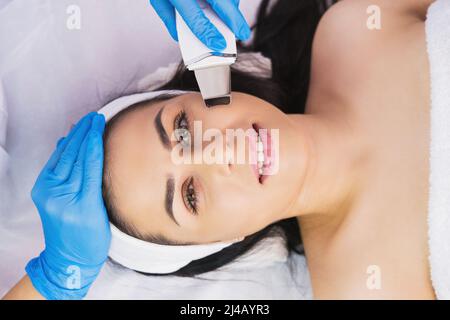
column 23, row 290
column 68, row 197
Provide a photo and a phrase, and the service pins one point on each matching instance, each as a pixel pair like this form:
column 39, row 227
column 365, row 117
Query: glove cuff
column 56, row 286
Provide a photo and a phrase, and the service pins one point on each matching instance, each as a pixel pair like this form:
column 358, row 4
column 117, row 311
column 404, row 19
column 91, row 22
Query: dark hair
column 283, row 33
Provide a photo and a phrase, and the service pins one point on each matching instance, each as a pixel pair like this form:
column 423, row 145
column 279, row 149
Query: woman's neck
column 337, row 165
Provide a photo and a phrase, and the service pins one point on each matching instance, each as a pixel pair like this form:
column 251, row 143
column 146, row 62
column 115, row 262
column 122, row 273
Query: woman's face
column 154, row 193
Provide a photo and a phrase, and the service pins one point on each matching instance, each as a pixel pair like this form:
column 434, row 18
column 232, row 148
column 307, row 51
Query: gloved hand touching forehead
column 68, row 196
column 191, row 12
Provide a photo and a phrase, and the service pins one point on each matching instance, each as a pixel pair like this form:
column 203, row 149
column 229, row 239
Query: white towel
column 438, row 45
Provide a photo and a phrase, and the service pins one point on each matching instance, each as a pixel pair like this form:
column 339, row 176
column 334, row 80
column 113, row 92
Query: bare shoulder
column 393, row 9
column 362, row 22
column 355, row 37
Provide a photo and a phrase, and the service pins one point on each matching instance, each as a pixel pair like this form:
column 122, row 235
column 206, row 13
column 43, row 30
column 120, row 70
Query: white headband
column 141, row 255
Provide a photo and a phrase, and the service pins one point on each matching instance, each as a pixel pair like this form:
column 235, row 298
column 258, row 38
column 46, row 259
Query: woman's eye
column 181, row 128
column 190, row 196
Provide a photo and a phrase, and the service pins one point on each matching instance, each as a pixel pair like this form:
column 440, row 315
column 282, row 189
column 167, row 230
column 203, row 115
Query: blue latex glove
column 68, row 196
column 227, row 10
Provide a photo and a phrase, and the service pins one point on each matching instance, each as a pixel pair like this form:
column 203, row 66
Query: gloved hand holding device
column 227, row 10
column 69, row 199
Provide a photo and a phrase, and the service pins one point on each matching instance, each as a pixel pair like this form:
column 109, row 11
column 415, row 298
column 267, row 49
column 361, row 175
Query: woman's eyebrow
column 162, row 133
column 168, row 203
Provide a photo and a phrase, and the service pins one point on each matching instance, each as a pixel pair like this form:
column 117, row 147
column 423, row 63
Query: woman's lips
column 253, row 140
column 266, row 139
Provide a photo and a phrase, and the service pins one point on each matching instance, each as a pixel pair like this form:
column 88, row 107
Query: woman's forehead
column 137, row 162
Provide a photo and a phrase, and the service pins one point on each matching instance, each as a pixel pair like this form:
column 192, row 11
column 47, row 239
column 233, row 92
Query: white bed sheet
column 51, row 77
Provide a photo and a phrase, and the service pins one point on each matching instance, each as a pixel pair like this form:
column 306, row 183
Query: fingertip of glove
column 217, row 43
column 244, row 32
column 99, row 123
column 173, row 33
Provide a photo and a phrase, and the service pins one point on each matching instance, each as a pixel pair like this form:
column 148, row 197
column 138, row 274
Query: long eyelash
column 182, row 115
column 193, row 207
column 182, row 129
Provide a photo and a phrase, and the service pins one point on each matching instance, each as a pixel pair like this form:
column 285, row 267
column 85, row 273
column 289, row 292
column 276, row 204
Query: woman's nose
column 216, row 158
